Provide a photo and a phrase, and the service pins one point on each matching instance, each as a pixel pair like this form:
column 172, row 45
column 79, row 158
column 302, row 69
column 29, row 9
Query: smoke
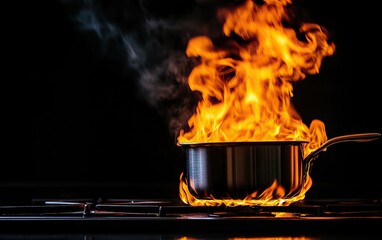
column 151, row 38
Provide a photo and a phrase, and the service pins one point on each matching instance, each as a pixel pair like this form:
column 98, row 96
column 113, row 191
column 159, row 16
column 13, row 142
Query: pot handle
column 361, row 137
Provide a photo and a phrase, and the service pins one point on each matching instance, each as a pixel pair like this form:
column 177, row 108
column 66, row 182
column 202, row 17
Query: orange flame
column 266, row 198
column 256, row 238
column 246, row 83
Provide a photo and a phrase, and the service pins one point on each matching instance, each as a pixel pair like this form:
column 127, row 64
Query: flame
column 266, row 198
column 246, row 84
column 255, row 238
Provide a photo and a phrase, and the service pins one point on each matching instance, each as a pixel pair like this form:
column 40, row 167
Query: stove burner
column 163, row 208
column 163, row 215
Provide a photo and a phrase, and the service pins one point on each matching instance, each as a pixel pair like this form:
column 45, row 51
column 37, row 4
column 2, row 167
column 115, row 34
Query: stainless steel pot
column 234, row 170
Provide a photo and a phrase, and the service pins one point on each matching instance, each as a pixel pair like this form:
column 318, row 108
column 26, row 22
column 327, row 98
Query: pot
column 235, row 170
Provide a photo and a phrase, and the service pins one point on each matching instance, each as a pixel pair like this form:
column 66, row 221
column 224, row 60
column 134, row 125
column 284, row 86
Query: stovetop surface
column 341, row 216
column 100, row 207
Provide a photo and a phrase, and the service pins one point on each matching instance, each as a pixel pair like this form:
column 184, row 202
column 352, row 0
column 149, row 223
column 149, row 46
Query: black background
column 75, row 122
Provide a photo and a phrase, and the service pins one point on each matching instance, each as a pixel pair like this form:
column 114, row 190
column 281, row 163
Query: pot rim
column 242, row 143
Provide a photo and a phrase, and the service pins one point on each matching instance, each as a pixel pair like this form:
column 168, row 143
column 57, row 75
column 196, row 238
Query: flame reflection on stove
column 246, row 83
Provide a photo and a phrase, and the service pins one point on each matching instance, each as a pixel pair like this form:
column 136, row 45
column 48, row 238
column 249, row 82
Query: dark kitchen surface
column 171, row 219
column 78, row 123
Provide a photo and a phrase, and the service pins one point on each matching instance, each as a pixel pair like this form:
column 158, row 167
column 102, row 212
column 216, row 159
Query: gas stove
column 345, row 217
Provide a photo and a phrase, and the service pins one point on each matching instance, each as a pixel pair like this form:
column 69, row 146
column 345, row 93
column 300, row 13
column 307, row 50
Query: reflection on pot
column 251, row 173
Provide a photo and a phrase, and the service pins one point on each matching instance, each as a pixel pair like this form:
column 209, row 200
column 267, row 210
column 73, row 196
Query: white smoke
column 151, row 38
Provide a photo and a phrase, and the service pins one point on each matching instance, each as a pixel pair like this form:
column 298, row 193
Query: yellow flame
column 255, row 238
column 266, row 198
column 247, row 85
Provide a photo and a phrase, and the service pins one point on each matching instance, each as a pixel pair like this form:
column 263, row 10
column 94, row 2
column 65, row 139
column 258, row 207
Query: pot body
column 237, row 170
